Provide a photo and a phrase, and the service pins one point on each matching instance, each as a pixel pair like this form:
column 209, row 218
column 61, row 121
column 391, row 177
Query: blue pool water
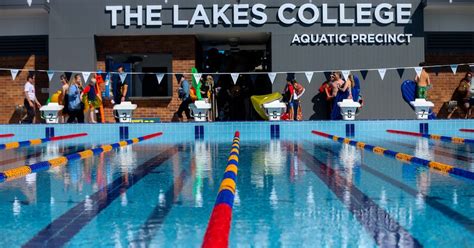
column 299, row 190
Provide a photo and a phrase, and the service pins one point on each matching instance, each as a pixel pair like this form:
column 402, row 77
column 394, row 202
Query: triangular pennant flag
column 178, row 77
column 400, row 72
column 86, row 75
column 68, row 75
column 29, row 2
column 159, row 77
column 197, row 77
column 235, row 77
column 454, row 68
column 327, row 74
column 123, row 76
column 216, row 78
column 14, row 73
column 309, row 75
column 272, row 76
column 50, row 75
column 364, row 73
column 345, row 74
column 382, row 73
column 418, row 70
column 436, row 70
column 253, row 77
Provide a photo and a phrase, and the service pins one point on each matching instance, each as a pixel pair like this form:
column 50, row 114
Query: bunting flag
column 309, row 75
column 346, row 74
column 123, row 76
column 436, row 70
column 86, row 76
column 50, row 75
column 14, row 73
column 400, row 72
column 159, row 77
column 178, row 77
column 327, row 74
column 454, row 68
column 253, row 77
column 235, row 77
column 216, row 78
column 68, row 75
column 382, row 73
column 364, row 73
column 272, row 76
column 418, row 70
column 197, row 77
column 29, row 2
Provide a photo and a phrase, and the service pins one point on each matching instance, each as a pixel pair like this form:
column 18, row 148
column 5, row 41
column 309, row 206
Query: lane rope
column 22, row 171
column 8, row 135
column 454, row 140
column 218, row 229
column 35, row 142
column 400, row 156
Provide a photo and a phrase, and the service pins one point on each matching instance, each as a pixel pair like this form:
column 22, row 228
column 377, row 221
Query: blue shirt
column 185, row 86
column 74, row 98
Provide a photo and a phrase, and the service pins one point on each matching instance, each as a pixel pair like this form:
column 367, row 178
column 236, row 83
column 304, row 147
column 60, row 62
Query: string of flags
column 29, row 2
column 253, row 75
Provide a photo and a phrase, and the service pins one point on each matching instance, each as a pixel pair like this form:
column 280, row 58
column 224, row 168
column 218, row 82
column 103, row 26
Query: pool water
column 310, row 192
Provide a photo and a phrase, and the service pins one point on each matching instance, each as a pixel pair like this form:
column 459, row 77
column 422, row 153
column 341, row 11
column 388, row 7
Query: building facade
column 247, row 36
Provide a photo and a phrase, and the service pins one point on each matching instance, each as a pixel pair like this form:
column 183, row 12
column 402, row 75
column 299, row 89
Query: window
column 144, row 85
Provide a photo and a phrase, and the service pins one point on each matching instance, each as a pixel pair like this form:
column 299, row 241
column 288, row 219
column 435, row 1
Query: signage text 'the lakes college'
column 287, row 14
column 244, row 14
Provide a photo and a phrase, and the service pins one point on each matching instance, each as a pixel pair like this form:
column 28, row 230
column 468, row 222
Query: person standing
column 75, row 110
column 184, row 95
column 63, row 98
column 422, row 83
column 119, row 88
column 30, row 101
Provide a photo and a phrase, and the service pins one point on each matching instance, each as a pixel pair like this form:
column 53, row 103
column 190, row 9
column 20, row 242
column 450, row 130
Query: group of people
column 80, row 100
column 336, row 89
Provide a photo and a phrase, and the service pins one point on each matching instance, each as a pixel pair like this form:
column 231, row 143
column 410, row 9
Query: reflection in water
column 16, row 207
column 350, row 157
column 203, row 163
column 423, row 150
column 274, row 158
column 273, row 197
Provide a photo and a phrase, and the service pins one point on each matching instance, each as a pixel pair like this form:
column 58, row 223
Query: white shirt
column 30, row 89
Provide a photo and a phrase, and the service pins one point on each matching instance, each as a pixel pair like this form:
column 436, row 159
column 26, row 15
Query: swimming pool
column 293, row 188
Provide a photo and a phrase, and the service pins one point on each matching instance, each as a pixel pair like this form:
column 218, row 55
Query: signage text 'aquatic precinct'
column 288, row 14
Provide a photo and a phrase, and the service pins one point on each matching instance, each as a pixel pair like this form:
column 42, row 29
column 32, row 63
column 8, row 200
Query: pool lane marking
column 65, row 227
column 454, row 140
column 218, row 228
column 466, row 130
column 156, row 218
column 446, row 210
column 35, row 142
column 8, row 135
column 401, row 156
column 22, row 171
column 376, row 221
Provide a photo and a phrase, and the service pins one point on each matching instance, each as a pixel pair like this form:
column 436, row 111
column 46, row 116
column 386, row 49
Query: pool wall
column 222, row 131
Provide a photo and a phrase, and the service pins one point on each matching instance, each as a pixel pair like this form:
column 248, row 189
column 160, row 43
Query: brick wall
column 12, row 92
column 182, row 49
column 443, row 80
